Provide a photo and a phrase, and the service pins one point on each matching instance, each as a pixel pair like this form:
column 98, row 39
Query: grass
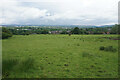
column 59, row 56
column 11, row 65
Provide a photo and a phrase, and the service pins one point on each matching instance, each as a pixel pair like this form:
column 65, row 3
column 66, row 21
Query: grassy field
column 60, row 56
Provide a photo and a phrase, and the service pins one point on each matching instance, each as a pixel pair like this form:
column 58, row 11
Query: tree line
column 8, row 32
column 98, row 30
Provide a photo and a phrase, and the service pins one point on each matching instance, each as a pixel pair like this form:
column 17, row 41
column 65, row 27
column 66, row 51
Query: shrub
column 109, row 48
column 102, row 48
column 64, row 32
column 6, row 33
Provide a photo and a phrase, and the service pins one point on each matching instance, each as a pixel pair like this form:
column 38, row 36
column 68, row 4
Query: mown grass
column 60, row 56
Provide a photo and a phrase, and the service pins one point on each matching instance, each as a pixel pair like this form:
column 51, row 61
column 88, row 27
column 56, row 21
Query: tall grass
column 8, row 66
column 26, row 64
column 16, row 65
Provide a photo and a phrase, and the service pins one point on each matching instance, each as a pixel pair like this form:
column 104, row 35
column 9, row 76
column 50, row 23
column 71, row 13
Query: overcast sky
column 59, row 12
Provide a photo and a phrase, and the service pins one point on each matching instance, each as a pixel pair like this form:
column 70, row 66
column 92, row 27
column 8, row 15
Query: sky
column 59, row 12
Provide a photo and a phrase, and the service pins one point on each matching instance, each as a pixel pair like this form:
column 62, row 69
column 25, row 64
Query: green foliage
column 45, row 30
column 115, row 29
column 109, row 48
column 64, row 32
column 76, row 30
column 6, row 33
column 102, row 48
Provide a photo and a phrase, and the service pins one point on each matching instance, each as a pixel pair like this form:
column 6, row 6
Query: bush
column 64, row 32
column 102, row 48
column 109, row 48
column 6, row 33
column 44, row 32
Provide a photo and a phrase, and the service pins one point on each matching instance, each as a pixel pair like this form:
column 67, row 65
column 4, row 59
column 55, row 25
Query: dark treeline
column 76, row 30
column 38, row 30
column 5, row 33
column 99, row 30
column 8, row 31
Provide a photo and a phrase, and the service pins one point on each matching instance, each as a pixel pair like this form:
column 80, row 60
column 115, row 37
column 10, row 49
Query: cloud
column 32, row 13
column 95, row 12
column 14, row 13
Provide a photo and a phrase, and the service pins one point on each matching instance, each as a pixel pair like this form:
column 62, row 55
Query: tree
column 76, row 30
column 115, row 29
column 6, row 33
column 44, row 32
column 64, row 32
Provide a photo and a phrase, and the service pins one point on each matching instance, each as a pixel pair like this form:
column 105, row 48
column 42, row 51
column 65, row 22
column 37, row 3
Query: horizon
column 52, row 25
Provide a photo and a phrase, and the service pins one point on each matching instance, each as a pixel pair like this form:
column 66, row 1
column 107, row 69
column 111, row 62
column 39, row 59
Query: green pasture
column 60, row 56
